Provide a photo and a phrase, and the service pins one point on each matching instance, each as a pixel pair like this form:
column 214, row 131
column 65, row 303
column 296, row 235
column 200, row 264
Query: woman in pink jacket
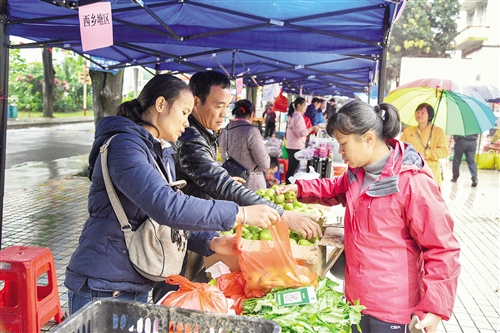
column 401, row 254
column 296, row 134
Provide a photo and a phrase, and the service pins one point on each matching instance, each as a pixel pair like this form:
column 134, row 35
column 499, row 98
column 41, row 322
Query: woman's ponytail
column 291, row 110
column 390, row 119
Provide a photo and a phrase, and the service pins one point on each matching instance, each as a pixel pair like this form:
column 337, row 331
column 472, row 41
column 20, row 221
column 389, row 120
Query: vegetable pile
column 256, row 233
column 288, row 200
column 332, row 313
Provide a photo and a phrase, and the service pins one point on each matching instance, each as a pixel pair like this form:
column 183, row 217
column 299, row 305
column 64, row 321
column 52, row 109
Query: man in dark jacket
column 197, row 152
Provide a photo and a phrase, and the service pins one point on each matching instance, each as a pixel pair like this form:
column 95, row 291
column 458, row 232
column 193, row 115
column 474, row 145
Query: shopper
column 296, row 134
column 331, row 108
column 243, row 142
column 270, row 121
column 320, row 118
column 270, row 172
column 312, row 110
column 429, row 140
column 197, row 164
column 465, row 145
column 100, row 266
column 401, row 254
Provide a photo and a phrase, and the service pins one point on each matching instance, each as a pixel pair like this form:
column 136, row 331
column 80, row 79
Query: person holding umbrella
column 428, row 139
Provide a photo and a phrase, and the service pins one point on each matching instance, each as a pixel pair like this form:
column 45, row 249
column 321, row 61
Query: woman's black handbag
column 234, row 168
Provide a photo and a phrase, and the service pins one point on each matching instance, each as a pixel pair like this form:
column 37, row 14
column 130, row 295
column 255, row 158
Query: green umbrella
column 456, row 113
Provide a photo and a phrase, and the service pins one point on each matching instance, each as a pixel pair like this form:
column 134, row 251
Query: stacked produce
column 288, row 200
column 256, row 233
column 330, row 313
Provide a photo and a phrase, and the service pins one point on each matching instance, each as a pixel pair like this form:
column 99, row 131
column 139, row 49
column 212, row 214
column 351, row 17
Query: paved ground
column 52, row 215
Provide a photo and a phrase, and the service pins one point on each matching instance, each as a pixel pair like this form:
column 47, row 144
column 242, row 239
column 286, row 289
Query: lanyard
column 428, row 141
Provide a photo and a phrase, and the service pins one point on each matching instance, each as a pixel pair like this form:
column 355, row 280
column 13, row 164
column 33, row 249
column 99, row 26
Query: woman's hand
column 430, row 323
column 286, row 188
column 315, row 129
column 259, row 215
column 239, row 180
column 303, row 223
column 273, row 181
column 225, row 245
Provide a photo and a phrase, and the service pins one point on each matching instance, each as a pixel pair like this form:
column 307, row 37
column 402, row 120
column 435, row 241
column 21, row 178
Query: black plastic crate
column 110, row 315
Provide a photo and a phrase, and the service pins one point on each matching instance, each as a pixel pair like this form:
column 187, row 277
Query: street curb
column 44, row 122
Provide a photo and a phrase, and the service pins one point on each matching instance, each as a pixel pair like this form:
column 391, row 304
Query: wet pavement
column 52, row 212
column 43, row 149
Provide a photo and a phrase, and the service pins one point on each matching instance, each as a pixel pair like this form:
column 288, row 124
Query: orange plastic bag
column 232, row 286
column 195, row 296
column 270, row 264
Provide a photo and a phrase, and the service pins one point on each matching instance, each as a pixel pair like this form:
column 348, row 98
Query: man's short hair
column 315, row 100
column 201, row 83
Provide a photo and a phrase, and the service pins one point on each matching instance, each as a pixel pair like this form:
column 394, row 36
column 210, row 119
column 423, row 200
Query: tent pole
column 4, row 85
column 381, row 73
column 383, row 57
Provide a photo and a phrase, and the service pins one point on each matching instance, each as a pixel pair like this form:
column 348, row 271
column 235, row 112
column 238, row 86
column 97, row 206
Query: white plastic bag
column 312, row 174
column 273, row 147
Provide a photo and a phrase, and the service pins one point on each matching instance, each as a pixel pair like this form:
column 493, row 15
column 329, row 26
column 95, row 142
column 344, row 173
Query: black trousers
column 371, row 324
column 293, row 163
column 270, row 127
column 467, row 147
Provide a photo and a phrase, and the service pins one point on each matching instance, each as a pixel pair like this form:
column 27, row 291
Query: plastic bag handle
column 180, row 280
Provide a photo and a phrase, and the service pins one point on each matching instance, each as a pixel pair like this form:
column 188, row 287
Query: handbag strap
column 113, row 197
column 428, row 141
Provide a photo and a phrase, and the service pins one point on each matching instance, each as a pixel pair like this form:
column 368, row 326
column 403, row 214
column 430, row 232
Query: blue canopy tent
column 169, row 34
column 319, row 46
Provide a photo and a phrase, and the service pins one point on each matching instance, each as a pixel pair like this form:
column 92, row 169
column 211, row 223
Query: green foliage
column 26, row 83
column 331, row 313
column 427, row 28
column 128, row 97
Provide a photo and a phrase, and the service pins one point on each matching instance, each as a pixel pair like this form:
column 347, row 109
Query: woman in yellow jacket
column 429, row 140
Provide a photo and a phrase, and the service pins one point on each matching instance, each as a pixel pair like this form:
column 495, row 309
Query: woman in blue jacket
column 100, row 266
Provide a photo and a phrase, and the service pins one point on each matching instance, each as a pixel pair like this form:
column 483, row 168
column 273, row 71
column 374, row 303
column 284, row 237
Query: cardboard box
column 319, row 258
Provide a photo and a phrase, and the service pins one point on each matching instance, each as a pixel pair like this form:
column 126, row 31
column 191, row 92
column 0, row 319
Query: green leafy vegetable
column 332, row 313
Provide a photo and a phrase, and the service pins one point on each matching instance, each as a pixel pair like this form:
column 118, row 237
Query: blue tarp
column 321, row 46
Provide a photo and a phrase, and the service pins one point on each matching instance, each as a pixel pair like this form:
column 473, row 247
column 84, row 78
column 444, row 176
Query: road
column 46, row 144
column 39, row 154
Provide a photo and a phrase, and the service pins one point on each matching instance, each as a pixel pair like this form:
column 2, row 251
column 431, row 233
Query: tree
column 48, row 83
column 27, row 81
column 68, row 89
column 426, row 29
column 107, row 88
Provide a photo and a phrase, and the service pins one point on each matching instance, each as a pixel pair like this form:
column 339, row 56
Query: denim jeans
column 76, row 300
